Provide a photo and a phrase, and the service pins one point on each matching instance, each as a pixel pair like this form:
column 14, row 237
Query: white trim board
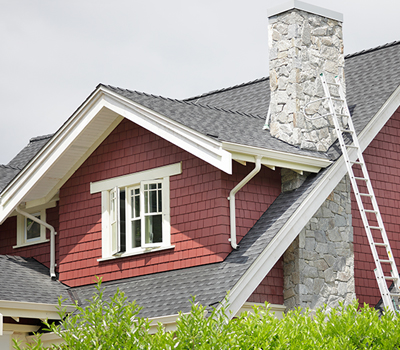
column 282, row 240
column 67, row 149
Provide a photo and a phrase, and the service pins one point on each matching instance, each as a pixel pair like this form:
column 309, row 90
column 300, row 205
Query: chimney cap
column 300, row 5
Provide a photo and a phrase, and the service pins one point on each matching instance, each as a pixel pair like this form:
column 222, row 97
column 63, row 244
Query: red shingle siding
column 198, row 201
column 383, row 161
column 271, row 288
column 41, row 252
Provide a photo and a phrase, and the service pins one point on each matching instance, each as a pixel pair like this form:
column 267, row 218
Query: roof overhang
column 17, row 309
column 271, row 254
column 83, row 132
column 272, row 158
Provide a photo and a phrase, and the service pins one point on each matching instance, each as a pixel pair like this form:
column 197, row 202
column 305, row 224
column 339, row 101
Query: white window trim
column 21, row 230
column 128, row 181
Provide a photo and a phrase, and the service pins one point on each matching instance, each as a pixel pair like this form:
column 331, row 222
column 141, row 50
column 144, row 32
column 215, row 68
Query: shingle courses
column 169, row 292
column 27, row 280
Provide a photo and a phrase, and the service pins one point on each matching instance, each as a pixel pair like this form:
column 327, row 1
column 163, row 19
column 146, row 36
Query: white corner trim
column 300, row 5
column 276, row 158
column 135, row 178
column 271, row 254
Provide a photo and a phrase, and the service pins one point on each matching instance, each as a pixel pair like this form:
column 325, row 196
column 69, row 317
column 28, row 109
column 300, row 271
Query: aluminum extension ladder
column 366, row 199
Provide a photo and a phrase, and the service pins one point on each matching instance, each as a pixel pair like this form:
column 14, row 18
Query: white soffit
column 300, row 5
column 83, row 133
column 272, row 158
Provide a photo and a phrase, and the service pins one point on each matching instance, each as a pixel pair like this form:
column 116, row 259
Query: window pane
column 146, row 201
column 114, row 241
column 153, row 229
column 159, row 201
column 122, row 227
column 32, row 228
column 136, row 236
column 135, row 204
column 153, row 201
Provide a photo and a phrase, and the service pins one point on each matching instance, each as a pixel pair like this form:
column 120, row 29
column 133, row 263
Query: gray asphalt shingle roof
column 169, row 292
column 27, row 280
column 371, row 77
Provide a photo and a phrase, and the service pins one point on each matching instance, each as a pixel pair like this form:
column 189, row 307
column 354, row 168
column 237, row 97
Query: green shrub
column 115, row 324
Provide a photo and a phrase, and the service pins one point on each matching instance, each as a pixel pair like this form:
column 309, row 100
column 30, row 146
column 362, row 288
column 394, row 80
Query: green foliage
column 115, row 325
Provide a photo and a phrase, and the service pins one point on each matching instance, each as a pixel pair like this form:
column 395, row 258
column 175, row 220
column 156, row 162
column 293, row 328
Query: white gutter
column 52, row 239
column 231, row 198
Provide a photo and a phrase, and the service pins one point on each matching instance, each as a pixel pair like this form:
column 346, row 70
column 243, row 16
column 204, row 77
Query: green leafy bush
column 115, row 324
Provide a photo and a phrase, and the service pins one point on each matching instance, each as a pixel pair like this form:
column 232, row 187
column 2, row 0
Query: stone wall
column 319, row 264
column 302, row 45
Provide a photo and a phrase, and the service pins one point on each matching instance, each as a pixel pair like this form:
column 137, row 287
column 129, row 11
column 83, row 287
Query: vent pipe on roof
column 304, row 40
column 52, row 239
column 231, row 198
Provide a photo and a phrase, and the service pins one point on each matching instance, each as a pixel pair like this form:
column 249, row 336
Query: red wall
column 271, row 288
column 383, row 162
column 41, row 252
column 198, row 200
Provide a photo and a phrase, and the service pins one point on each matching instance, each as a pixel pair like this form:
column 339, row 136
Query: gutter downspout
column 231, row 198
column 52, row 239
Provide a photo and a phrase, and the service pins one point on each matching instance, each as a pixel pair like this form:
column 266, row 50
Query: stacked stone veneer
column 302, row 45
column 319, row 264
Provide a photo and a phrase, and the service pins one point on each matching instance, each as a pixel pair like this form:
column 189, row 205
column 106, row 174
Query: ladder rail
column 353, row 155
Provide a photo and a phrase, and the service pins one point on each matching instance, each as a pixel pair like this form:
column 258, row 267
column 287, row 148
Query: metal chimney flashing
column 300, row 5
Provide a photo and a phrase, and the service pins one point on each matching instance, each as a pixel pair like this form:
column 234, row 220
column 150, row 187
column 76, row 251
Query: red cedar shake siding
column 198, row 202
column 383, row 162
column 271, row 288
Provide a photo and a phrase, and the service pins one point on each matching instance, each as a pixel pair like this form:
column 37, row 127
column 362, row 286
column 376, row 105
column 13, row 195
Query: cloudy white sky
column 55, row 52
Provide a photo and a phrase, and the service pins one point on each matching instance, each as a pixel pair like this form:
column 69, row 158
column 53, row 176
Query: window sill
column 138, row 252
column 30, row 243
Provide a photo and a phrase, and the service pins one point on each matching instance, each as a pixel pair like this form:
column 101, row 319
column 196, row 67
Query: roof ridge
column 39, row 138
column 221, row 109
column 9, row 167
column 384, row 46
column 226, row 89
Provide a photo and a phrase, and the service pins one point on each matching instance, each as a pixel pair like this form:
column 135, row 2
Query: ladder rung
column 385, row 261
column 376, row 227
column 335, row 84
column 370, row 211
column 361, row 178
column 394, row 294
column 359, row 163
column 343, row 115
column 381, row 244
column 366, row 195
column 390, row 278
column 347, row 130
column 351, row 146
column 337, row 99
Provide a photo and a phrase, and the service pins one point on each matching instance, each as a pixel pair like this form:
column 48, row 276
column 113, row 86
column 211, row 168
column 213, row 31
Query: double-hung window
column 135, row 211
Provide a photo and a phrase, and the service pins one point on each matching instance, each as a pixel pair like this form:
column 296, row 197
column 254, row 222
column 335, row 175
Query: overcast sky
column 54, row 52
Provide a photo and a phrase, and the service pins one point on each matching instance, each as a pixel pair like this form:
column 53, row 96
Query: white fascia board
column 44, row 160
column 184, row 137
column 300, row 5
column 271, row 254
column 32, row 310
column 276, row 158
column 199, row 145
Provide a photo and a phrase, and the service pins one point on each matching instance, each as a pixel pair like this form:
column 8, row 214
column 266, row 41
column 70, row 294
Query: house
column 165, row 199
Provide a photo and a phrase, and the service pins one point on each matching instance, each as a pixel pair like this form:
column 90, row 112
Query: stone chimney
column 304, row 40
